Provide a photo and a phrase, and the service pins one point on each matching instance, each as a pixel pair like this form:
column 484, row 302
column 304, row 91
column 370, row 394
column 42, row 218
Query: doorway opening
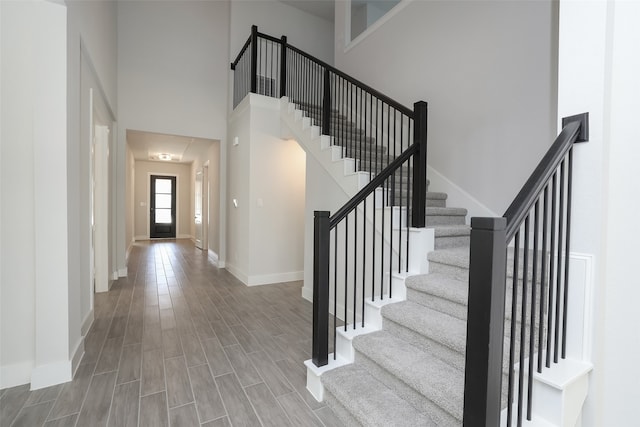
column 162, row 211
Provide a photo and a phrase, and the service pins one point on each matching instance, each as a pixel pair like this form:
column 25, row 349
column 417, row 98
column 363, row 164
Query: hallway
column 180, row 342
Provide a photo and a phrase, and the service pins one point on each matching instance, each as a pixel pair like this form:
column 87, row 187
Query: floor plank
column 181, row 342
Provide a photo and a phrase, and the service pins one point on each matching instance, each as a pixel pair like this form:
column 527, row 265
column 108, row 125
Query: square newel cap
column 488, row 223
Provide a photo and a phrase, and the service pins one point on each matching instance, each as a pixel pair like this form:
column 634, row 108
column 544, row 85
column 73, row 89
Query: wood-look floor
column 181, row 343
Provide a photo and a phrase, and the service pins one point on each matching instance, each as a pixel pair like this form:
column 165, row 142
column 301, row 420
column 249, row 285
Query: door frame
column 148, row 186
column 205, row 207
column 198, row 242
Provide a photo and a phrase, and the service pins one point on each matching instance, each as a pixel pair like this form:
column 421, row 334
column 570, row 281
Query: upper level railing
column 357, row 250
column 370, row 126
column 518, row 280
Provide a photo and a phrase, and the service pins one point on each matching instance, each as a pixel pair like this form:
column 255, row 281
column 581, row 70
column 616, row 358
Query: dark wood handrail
column 384, row 98
column 524, row 201
column 242, row 51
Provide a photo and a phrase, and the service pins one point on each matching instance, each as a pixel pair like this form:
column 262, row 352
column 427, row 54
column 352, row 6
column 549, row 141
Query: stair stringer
column 341, row 169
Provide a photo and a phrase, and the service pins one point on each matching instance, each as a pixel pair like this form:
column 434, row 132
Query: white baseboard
column 123, row 272
column 51, row 374
column 136, row 238
column 128, row 252
column 216, row 259
column 267, row 279
column 239, row 274
column 307, row 293
column 76, row 357
column 15, row 374
column 264, row 279
column 185, row 236
column 86, row 323
column 114, row 276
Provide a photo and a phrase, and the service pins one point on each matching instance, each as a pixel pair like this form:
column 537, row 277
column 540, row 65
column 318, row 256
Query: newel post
column 254, row 58
column 326, row 103
column 283, row 66
column 320, row 350
column 419, row 202
column 485, row 322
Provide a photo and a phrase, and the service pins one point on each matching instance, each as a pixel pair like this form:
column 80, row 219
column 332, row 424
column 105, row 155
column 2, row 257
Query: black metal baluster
column 358, row 127
column 551, row 269
column 351, row 141
column 409, row 199
column 512, row 340
column 384, row 205
column 556, row 344
column 335, row 288
column 534, row 284
column 374, row 145
column 373, row 250
column 377, row 129
column 403, row 198
column 364, row 256
column 566, row 255
column 346, row 269
column 523, row 318
column 355, row 264
column 543, row 275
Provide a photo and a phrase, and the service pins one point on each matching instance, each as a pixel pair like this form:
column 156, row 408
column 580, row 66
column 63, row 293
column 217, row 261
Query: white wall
column 212, row 158
column 598, row 69
column 266, row 176
column 91, row 25
column 310, row 33
column 173, row 71
column 39, row 335
column 487, row 70
column 184, row 209
column 129, row 198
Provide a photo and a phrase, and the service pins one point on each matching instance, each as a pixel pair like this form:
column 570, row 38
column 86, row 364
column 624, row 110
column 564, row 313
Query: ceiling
column 148, row 146
column 320, row 8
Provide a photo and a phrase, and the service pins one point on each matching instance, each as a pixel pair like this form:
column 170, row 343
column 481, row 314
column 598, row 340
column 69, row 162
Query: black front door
column 163, row 206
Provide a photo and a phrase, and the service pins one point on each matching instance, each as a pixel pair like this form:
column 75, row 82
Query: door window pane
column 163, row 216
column 163, row 201
column 163, row 186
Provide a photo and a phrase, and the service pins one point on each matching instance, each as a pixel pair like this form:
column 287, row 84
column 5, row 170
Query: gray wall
column 488, row 72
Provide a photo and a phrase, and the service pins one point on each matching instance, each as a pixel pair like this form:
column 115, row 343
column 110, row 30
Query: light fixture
column 164, row 156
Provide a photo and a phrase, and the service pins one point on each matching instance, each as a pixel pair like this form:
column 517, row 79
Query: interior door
column 162, row 213
column 198, row 209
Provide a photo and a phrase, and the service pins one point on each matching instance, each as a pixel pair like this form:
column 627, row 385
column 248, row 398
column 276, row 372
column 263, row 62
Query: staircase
column 412, row 371
column 435, row 351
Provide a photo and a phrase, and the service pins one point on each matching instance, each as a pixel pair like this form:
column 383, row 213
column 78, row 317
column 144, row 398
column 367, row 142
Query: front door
column 163, row 207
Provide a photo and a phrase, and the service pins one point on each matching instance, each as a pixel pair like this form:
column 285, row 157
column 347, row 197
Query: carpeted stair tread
column 439, row 285
column 451, row 230
column 457, row 257
column 369, row 401
column 442, row 328
column 446, row 211
column 434, row 379
column 434, row 195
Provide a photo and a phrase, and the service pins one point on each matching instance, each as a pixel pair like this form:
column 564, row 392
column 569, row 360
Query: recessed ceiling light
column 164, row 156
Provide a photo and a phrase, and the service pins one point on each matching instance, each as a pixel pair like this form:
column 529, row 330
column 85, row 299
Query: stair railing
column 532, row 302
column 386, row 140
